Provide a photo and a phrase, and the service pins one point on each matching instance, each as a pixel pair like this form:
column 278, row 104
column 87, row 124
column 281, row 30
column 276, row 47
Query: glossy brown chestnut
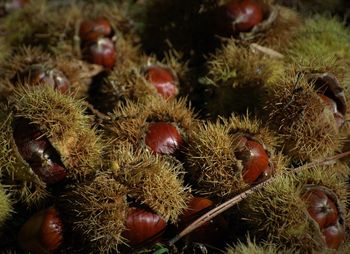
column 244, row 14
column 42, row 233
column 102, row 53
column 142, row 227
column 321, row 208
column 332, row 106
column 211, row 232
column 37, row 74
column 163, row 138
column 194, row 209
column 334, row 235
column 255, row 160
column 92, row 30
column 37, row 151
column 163, row 80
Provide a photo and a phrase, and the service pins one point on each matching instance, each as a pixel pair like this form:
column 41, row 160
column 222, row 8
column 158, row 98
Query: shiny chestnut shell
column 163, row 79
column 38, row 74
column 244, row 14
column 142, row 227
column 255, row 160
column 91, row 30
column 102, row 53
column 195, row 207
column 321, row 207
column 42, row 233
column 332, row 106
column 38, row 152
column 334, row 235
column 211, row 232
column 163, row 138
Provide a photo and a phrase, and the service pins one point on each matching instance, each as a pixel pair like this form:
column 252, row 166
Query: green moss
column 321, row 37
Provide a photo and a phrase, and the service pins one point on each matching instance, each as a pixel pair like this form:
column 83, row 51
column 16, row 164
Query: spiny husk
column 121, row 84
column 211, row 160
column 320, row 68
column 269, row 248
column 307, row 127
column 322, row 44
column 238, row 76
column 21, row 58
column 251, row 247
column 151, row 180
column 125, row 38
column 96, row 212
column 24, row 184
column 132, row 119
column 5, row 206
column 78, row 73
column 278, row 28
column 283, row 30
column 54, row 26
column 321, row 37
column 43, row 25
column 278, row 214
column 318, row 64
column 308, row 7
column 17, row 62
column 61, row 118
column 127, row 81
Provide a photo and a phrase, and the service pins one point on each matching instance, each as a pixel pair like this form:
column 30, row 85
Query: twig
column 267, row 51
column 235, row 200
column 96, row 112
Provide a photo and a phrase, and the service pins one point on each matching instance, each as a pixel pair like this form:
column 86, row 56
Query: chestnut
column 102, row 53
column 321, row 207
column 163, row 79
column 332, row 106
column 195, row 208
column 92, row 30
column 334, row 235
column 212, row 231
column 255, row 160
column 163, row 138
column 142, row 227
column 37, row 151
column 42, row 233
column 243, row 14
column 37, row 74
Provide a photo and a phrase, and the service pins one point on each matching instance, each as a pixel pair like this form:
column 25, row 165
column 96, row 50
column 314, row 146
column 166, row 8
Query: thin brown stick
column 267, row 51
column 97, row 113
column 235, row 200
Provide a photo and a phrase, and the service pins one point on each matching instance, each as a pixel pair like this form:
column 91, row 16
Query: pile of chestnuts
column 126, row 125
